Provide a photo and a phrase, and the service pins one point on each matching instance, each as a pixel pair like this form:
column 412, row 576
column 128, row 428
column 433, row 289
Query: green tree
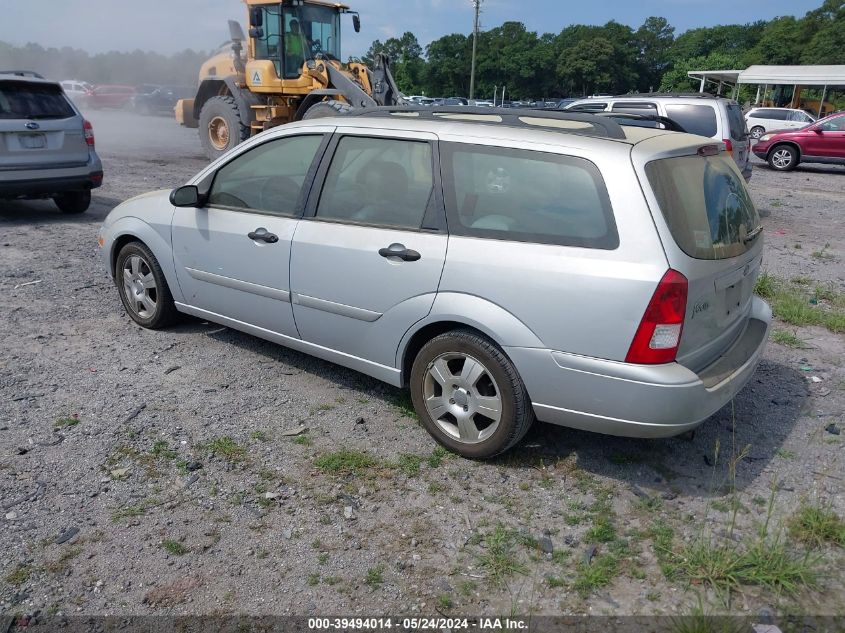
column 654, row 40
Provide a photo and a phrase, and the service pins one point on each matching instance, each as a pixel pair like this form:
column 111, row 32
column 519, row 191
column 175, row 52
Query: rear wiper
column 750, row 237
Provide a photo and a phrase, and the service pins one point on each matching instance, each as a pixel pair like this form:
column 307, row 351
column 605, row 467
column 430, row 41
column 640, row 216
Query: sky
column 167, row 26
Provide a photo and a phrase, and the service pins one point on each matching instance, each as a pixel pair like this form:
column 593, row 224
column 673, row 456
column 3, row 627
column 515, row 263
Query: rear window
column 695, row 119
column 736, row 122
column 526, row 196
column 22, row 100
column 706, row 204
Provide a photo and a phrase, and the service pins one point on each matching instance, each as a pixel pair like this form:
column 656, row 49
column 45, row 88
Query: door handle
column 262, row 235
column 400, row 252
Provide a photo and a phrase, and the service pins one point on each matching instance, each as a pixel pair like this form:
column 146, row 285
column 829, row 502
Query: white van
column 762, row 120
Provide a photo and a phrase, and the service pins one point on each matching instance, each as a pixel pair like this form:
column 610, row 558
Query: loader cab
column 290, row 35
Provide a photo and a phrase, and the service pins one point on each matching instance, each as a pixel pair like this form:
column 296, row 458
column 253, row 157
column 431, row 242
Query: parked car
column 75, row 89
column 46, row 146
column 697, row 113
column 455, row 101
column 821, row 142
column 762, row 120
column 161, row 100
column 110, row 96
column 608, row 271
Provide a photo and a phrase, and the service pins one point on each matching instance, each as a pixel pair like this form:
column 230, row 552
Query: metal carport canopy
column 793, row 75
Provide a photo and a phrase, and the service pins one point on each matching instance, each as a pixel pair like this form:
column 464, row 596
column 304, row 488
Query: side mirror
column 256, row 17
column 185, row 196
column 256, row 32
column 356, row 22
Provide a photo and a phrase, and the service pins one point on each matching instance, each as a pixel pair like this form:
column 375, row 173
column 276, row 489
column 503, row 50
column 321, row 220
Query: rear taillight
column 729, row 147
column 89, row 133
column 659, row 334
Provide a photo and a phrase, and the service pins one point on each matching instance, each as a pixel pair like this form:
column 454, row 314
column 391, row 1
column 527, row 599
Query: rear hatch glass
column 695, row 119
column 706, row 205
column 713, row 220
column 22, row 100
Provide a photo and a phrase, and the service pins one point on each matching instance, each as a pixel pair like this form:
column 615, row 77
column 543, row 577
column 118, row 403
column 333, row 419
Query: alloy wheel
column 782, row 158
column 139, row 287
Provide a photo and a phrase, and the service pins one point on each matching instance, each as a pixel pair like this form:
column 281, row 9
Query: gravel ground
column 195, row 470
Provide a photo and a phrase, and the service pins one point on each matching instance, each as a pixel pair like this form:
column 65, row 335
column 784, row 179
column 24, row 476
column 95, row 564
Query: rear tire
column 328, row 108
column 221, row 126
column 469, row 395
column 757, row 132
column 783, row 158
column 72, row 202
column 143, row 288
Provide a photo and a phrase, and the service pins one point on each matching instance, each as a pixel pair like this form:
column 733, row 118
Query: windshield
column 297, row 34
column 706, row 205
column 22, row 100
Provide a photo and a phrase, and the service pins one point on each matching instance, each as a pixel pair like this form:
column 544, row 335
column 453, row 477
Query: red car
column 820, row 142
column 109, row 96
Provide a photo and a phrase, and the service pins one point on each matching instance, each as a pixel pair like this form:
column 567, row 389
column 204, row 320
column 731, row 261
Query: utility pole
column 477, row 6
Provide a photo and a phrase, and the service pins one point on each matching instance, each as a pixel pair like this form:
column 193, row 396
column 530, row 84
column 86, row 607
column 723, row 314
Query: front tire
column 783, row 158
column 221, row 126
column 73, row 202
column 143, row 288
column 328, row 108
column 757, row 132
column 469, row 395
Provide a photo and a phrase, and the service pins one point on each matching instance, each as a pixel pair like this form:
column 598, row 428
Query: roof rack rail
column 622, row 117
column 683, row 95
column 22, row 73
column 511, row 117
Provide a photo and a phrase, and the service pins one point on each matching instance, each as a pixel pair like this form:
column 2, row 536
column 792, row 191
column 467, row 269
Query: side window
column 635, row 107
column 695, row 119
column 778, row 115
column 268, row 178
column 589, row 107
column 378, row 181
column 834, row 125
column 526, row 196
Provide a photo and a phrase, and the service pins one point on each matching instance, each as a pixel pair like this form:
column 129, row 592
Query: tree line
column 579, row 60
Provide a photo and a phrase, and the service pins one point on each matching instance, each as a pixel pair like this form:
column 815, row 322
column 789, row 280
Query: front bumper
column 644, row 401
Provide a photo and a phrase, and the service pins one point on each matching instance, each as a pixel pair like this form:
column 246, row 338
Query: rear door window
column 526, row 196
column 695, row 119
column 22, row 100
column 736, row 122
column 706, row 205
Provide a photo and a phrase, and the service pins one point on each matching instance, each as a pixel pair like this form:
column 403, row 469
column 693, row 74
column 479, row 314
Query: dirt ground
column 196, row 470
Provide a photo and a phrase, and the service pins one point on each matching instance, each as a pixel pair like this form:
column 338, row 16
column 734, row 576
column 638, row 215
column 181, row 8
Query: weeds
column 174, row 547
column 345, row 462
column 596, row 574
column 227, row 448
column 375, row 577
column 794, row 304
column 162, row 451
column 401, row 401
column 67, row 422
column 788, row 339
column 437, row 456
column 410, row 464
column 19, row 575
column 817, row 526
column 499, row 560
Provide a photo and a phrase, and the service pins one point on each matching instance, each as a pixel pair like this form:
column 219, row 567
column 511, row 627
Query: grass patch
column 595, row 575
column 345, row 462
column 162, row 451
column 303, row 440
column 61, row 563
column 313, row 579
column 444, row 602
column 787, row 339
column 785, row 454
column 259, row 436
column 174, row 547
column 822, row 254
column 66, row 422
column 499, row 560
column 817, row 526
column 795, row 304
column 410, row 464
column 375, row 577
column 437, row 456
column 227, row 448
column 128, row 512
column 19, row 575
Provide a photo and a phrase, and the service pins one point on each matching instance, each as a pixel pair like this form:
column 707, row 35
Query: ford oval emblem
column 31, row 125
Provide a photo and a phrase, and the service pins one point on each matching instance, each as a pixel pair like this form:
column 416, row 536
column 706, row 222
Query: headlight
column 765, row 137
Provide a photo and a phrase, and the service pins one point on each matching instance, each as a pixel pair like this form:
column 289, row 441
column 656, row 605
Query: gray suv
column 46, row 146
column 505, row 265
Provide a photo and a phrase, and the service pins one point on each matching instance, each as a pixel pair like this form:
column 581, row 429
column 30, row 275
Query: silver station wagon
column 505, row 265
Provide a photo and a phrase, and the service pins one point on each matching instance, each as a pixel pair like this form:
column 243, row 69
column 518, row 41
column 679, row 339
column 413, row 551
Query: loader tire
column 221, row 126
column 325, row 109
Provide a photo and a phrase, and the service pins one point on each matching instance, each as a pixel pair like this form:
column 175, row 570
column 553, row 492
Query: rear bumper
column 639, row 400
column 44, row 182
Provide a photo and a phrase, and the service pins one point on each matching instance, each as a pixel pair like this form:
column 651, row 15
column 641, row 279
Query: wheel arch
column 777, row 144
column 130, row 229
column 460, row 311
column 225, row 87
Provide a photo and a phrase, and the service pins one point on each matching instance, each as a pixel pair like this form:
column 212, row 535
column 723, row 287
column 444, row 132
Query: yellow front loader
column 287, row 69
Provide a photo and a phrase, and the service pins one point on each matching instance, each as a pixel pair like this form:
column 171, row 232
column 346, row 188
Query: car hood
column 140, row 206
